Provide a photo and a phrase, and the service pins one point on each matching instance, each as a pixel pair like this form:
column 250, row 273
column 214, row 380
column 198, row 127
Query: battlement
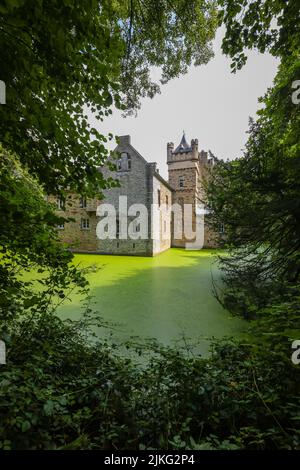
column 183, row 152
column 188, row 153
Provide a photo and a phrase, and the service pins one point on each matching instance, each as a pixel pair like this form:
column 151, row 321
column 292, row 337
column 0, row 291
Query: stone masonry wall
column 184, row 195
column 161, row 216
column 133, row 184
column 193, row 171
column 78, row 238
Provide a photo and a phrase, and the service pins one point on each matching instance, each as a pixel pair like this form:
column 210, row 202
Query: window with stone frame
column 181, row 181
column 60, row 203
column 222, row 228
column 119, row 165
column 85, row 224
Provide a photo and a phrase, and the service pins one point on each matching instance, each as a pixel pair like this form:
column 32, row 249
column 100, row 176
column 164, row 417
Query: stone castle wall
column 135, row 185
column 191, row 167
column 142, row 184
column 73, row 233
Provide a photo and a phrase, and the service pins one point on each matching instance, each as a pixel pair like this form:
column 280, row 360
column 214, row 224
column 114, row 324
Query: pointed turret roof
column 183, row 146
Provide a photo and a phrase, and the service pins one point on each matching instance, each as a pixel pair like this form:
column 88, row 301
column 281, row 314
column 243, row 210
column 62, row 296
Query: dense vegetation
column 59, row 389
column 61, row 58
column 263, row 186
column 62, row 394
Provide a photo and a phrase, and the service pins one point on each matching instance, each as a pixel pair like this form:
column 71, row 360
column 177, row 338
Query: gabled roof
column 183, row 147
column 126, row 141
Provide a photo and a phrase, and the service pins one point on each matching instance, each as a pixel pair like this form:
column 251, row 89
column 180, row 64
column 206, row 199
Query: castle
column 142, row 184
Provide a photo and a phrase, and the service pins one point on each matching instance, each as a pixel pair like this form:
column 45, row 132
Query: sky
column 208, row 103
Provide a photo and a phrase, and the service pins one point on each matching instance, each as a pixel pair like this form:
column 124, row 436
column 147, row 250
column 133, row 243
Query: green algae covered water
column 168, row 297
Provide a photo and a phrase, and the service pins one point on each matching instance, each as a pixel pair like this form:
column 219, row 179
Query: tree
column 29, row 244
column 257, row 198
column 58, row 58
column 268, row 25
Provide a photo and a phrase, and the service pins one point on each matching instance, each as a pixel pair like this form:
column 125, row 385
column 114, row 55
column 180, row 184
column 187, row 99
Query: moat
column 168, row 297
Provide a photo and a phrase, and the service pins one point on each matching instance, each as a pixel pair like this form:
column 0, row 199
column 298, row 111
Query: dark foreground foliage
column 59, row 392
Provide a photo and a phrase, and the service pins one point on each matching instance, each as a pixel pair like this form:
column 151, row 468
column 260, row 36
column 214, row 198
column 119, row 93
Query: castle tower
column 184, row 177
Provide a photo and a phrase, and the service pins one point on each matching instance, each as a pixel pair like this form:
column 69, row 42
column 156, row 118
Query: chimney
column 124, row 140
column 152, row 168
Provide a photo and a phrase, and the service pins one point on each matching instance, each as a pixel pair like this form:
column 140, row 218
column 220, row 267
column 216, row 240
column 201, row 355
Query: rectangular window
column 85, row 224
column 181, row 181
column 82, row 202
column 60, row 204
column 165, row 226
column 222, row 228
column 158, row 196
column 117, row 228
column 167, row 201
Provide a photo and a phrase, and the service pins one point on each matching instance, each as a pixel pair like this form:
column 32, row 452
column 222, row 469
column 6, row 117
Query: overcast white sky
column 209, row 103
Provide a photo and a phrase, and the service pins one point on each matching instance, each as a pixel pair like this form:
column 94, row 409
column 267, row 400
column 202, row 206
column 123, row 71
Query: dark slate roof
column 183, row 146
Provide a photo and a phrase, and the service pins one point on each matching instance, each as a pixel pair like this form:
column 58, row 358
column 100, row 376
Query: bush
column 60, row 391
